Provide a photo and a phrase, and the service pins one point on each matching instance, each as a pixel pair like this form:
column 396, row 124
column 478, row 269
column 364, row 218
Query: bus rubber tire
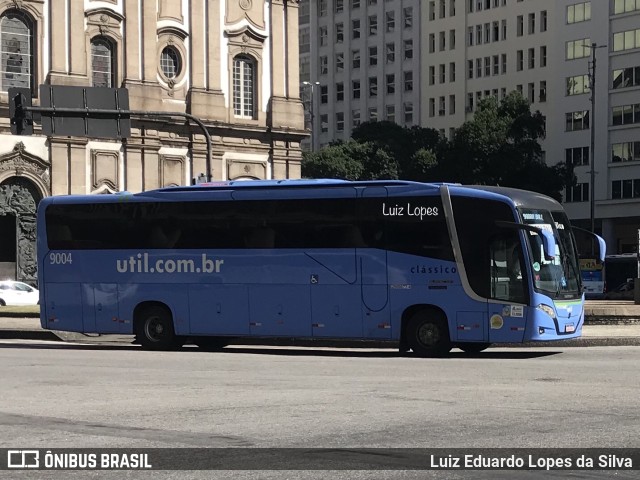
column 154, row 329
column 428, row 335
column 473, row 347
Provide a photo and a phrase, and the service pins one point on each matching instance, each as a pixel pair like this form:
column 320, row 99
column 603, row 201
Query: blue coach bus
column 431, row 266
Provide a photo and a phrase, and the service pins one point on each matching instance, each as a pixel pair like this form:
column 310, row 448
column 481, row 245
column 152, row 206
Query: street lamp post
column 311, row 116
column 592, row 154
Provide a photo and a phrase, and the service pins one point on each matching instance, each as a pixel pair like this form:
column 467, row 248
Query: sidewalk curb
column 43, row 335
column 18, row 314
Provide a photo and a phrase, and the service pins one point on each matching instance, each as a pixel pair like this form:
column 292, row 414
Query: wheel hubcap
column 428, row 334
column 154, row 329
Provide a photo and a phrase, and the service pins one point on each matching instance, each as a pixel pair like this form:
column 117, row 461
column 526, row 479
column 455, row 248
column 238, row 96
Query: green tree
column 501, row 146
column 350, row 160
column 405, row 145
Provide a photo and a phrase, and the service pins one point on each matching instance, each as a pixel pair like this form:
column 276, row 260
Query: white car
column 17, row 293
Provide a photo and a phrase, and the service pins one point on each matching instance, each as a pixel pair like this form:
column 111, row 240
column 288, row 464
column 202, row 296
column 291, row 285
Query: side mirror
column 597, row 240
column 602, row 248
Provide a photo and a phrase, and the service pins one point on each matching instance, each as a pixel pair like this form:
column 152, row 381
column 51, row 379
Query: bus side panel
column 105, row 306
column 375, row 293
column 336, row 311
column 175, row 296
column 376, row 316
column 64, row 311
column 218, row 309
column 507, row 322
column 470, row 327
column 280, row 310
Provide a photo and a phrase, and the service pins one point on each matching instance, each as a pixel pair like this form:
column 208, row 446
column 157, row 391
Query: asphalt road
column 55, row 395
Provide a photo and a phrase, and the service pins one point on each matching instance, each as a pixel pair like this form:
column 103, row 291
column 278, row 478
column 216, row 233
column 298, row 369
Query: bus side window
column 163, row 237
column 351, row 237
column 263, row 237
column 60, row 237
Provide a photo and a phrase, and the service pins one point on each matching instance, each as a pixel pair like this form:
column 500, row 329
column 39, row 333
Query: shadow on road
column 288, row 351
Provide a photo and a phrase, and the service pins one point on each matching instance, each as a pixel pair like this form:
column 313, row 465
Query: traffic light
column 21, row 120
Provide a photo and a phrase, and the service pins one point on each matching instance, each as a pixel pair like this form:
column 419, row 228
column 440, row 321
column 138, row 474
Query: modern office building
column 471, row 49
column 359, row 61
column 544, row 50
column 223, row 61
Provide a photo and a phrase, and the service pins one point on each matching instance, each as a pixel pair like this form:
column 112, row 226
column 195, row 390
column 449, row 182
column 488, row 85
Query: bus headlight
column 547, row 309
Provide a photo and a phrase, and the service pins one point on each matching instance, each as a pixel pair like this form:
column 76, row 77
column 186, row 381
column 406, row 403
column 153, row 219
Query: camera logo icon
column 23, row 459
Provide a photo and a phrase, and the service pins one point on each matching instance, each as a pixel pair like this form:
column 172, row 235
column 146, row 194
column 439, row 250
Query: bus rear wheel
column 154, row 329
column 472, row 348
column 427, row 334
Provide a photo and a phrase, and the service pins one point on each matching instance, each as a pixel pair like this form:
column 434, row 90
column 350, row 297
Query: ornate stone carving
column 21, row 163
column 253, row 12
column 172, row 170
column 246, row 169
column 170, row 10
column 19, row 197
column 105, row 171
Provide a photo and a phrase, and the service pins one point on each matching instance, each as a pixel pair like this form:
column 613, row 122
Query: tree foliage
column 499, row 146
column 350, row 160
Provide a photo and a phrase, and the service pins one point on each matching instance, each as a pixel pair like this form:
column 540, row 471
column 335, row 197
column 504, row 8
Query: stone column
column 144, row 91
column 206, row 98
column 131, row 50
column 58, row 46
column 59, row 167
column 78, row 166
column 213, row 41
column 134, row 171
column 149, row 46
column 150, row 160
column 77, row 46
column 278, row 67
column 198, row 41
column 285, row 106
column 292, row 51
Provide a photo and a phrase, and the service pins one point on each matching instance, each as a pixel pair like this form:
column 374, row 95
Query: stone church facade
column 231, row 63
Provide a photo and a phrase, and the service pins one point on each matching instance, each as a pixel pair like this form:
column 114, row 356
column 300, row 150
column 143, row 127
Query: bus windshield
column 558, row 277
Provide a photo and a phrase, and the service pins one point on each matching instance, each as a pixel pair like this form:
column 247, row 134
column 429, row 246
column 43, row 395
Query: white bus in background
column 593, row 280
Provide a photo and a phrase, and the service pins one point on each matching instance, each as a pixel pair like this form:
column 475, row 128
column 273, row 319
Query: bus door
column 372, row 263
column 506, row 307
column 333, row 275
column 492, row 271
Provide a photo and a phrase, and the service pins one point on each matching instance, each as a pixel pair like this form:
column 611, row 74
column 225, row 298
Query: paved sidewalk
column 613, row 309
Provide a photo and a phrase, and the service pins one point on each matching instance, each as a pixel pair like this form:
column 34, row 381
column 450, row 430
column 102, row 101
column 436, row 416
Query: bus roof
column 522, row 198
column 297, row 183
column 518, row 197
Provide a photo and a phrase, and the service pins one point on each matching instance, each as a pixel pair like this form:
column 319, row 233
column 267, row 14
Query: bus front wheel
column 472, row 348
column 154, row 329
column 428, row 335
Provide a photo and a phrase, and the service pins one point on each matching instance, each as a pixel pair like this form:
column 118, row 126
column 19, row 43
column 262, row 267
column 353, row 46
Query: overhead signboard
column 95, row 112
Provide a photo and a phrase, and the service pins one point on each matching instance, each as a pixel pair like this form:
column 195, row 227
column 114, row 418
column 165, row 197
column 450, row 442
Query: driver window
column 506, row 267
